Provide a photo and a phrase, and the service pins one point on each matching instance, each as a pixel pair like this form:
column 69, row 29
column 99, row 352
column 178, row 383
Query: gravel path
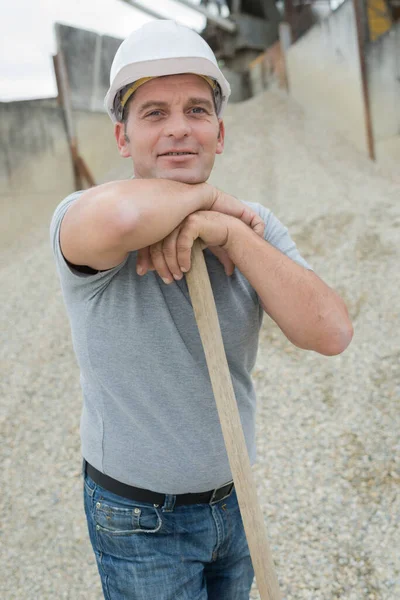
column 328, row 470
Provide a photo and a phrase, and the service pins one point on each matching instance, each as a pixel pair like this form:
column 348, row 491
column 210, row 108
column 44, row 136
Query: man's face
column 170, row 115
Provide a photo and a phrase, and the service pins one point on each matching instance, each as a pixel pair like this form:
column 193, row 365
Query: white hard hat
column 160, row 48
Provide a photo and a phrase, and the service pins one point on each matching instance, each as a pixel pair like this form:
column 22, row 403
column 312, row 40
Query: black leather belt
column 141, row 495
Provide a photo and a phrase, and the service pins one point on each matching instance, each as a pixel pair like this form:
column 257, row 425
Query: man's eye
column 198, row 109
column 154, row 113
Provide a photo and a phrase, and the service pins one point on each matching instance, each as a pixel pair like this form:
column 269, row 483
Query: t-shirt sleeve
column 73, row 280
column 278, row 235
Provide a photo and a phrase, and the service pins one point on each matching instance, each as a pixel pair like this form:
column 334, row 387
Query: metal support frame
column 361, row 39
column 81, row 170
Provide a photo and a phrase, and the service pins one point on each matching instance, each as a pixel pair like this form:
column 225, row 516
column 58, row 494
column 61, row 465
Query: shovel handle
column 210, row 332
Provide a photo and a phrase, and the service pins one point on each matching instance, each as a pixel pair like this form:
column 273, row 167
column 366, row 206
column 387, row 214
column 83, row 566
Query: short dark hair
column 125, row 112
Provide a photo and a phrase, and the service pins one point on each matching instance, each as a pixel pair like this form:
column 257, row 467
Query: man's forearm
column 310, row 313
column 108, row 221
column 149, row 209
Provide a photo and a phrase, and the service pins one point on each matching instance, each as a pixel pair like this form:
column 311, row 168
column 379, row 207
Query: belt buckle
column 216, row 498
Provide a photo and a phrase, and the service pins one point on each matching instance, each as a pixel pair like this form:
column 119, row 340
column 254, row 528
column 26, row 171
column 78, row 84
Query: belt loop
column 169, row 503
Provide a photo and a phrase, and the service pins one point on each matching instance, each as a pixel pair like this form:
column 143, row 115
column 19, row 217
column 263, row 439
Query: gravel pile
column 328, row 471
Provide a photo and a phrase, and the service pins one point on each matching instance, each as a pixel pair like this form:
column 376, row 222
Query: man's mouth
column 178, row 154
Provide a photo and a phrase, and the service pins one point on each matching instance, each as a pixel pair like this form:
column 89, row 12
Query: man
column 162, row 511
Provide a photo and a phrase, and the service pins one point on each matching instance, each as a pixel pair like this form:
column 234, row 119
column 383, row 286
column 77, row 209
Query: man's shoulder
column 64, row 204
column 59, row 213
column 56, row 220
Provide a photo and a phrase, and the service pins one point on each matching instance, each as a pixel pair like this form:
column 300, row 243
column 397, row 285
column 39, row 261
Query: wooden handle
column 253, row 521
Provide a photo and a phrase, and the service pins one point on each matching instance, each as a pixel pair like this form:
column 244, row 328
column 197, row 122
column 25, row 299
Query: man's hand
column 222, row 203
column 171, row 257
column 229, row 205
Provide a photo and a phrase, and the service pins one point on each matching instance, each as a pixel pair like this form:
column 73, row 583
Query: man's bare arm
column 110, row 220
column 309, row 312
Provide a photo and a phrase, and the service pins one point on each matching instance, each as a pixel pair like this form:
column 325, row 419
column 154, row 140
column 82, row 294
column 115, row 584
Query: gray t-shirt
column 149, row 417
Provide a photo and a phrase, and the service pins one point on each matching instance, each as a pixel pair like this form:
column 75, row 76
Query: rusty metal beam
column 361, row 40
column 80, row 168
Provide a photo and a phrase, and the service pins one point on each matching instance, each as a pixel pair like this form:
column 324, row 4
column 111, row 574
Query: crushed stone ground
column 328, row 471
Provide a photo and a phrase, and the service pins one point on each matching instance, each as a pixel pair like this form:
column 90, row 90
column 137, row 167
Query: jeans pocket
column 89, row 485
column 121, row 521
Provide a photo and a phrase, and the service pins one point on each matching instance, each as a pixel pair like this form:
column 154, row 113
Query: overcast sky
column 27, row 40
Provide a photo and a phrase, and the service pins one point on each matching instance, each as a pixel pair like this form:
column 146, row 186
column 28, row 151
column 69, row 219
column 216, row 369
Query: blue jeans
column 149, row 552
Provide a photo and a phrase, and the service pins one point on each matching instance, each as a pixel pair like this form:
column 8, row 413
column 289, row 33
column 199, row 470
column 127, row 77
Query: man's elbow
column 334, row 343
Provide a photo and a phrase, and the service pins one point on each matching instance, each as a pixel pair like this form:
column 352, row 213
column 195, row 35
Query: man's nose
column 177, row 126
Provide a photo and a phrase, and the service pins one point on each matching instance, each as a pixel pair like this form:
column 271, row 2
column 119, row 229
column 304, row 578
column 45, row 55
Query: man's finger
column 160, row 265
column 254, row 221
column 229, row 205
column 184, row 243
column 170, row 253
column 258, row 225
column 143, row 261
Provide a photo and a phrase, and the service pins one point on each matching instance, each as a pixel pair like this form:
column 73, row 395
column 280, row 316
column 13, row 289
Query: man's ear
column 123, row 142
column 221, row 138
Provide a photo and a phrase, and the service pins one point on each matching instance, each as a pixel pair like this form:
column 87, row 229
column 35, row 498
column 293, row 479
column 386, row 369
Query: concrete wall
column 324, row 73
column 35, row 167
column 35, row 163
column 268, row 70
column 32, row 134
column 88, row 58
column 324, row 77
column 383, row 63
column 35, row 151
